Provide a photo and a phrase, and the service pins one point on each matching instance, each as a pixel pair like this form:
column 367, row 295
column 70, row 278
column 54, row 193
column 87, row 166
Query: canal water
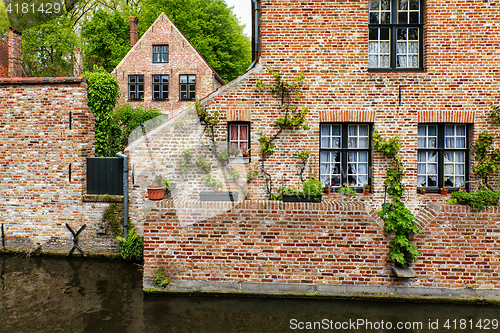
column 44, row 294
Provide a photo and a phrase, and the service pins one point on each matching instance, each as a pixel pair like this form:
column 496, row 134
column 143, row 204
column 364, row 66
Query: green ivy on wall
column 396, row 216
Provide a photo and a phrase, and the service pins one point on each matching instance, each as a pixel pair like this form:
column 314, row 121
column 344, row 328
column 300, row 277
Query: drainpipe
column 256, row 32
column 125, row 192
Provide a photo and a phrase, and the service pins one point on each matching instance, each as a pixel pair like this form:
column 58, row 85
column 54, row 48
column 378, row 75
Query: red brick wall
column 327, row 243
column 328, row 41
column 37, row 146
column 183, row 59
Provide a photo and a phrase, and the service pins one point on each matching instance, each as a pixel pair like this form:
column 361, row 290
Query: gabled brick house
column 427, row 71
column 163, row 70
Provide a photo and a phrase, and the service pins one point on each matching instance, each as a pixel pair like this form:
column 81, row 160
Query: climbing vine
column 396, row 216
column 487, row 157
column 103, row 92
column 292, row 117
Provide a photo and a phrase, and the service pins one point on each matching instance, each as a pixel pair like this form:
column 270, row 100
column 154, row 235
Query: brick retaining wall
column 46, row 130
column 278, row 247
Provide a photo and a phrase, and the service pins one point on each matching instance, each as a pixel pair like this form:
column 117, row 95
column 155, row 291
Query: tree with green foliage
column 107, row 39
column 210, row 26
column 4, row 20
column 103, row 92
column 48, row 49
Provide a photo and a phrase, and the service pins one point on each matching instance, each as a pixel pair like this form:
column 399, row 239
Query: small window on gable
column 395, row 39
column 160, row 53
column 239, row 139
column 136, row 87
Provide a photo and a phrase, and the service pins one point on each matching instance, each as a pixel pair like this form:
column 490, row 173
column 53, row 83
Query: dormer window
column 160, row 53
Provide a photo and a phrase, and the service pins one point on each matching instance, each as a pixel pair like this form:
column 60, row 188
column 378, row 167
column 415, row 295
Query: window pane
column 244, row 133
column 414, row 4
column 384, row 61
column 414, row 17
column 385, row 5
column 373, row 34
column 413, row 34
column 335, row 130
column 325, row 130
column 325, row 142
column 402, row 61
column 183, row 79
column 374, row 4
column 402, row 17
column 403, row 4
column 385, row 34
column 385, row 18
column 363, row 156
column 374, row 17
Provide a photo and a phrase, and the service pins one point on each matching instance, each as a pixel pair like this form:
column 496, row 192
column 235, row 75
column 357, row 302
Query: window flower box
column 214, row 196
column 239, row 159
column 301, row 198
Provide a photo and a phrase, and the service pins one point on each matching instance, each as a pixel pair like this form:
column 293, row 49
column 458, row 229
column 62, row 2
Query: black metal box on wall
column 105, row 175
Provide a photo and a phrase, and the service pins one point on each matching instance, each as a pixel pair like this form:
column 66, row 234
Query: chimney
column 133, row 30
column 15, row 53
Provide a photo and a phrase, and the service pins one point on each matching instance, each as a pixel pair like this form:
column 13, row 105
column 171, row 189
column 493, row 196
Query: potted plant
column 327, row 189
column 346, row 193
column 156, row 191
column 245, row 153
column 444, row 191
column 366, row 189
column 422, row 190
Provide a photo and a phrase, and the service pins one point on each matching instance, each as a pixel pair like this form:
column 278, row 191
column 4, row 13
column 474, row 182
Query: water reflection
column 81, row 295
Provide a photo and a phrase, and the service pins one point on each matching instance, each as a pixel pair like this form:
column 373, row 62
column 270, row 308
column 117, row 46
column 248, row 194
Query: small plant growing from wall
column 292, row 117
column 132, row 247
column 160, row 277
column 303, row 156
column 396, row 216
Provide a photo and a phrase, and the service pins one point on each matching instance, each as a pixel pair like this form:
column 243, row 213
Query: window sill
column 239, row 160
column 136, row 100
column 390, row 70
column 161, row 100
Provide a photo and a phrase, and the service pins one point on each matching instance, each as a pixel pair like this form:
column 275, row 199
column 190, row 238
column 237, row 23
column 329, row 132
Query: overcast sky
column 242, row 9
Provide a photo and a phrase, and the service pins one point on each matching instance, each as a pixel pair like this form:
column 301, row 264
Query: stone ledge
column 326, row 290
column 102, row 198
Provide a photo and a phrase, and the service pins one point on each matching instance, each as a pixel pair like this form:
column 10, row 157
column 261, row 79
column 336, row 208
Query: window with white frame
column 239, row 138
column 443, row 156
column 395, row 32
column 136, row 87
column 345, row 154
column 160, row 87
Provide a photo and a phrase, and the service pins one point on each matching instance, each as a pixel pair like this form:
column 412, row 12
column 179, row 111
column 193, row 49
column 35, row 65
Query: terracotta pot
column 328, row 191
column 218, row 190
column 366, row 191
column 444, row 192
column 422, row 191
column 156, row 193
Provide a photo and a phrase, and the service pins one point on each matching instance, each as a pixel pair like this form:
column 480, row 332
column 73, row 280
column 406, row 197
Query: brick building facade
column 427, row 71
column 47, row 134
column 163, row 70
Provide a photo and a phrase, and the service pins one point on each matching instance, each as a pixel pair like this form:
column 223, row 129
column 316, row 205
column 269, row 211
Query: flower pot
column 156, row 192
column 444, row 191
column 366, row 191
column 328, row 191
column 422, row 191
